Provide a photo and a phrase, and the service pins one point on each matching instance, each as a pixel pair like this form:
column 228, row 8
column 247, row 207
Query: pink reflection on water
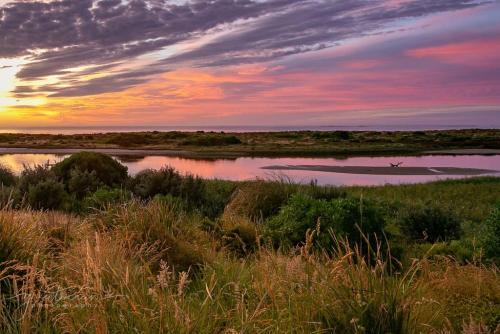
column 251, row 168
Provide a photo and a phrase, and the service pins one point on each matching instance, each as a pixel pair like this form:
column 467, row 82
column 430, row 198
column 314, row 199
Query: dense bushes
column 48, row 194
column 167, row 181
column 430, row 223
column 7, row 177
column 212, row 140
column 89, row 169
column 345, row 218
column 104, row 197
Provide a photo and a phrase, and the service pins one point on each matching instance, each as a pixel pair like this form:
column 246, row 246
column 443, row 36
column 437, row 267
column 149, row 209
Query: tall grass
column 117, row 272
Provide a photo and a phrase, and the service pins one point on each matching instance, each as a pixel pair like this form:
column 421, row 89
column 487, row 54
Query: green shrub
column 216, row 196
column 108, row 171
column 430, row 223
column 7, row 177
column 32, row 176
column 104, row 197
column 149, row 183
column 81, row 183
column 344, row 217
column 489, row 237
column 167, row 181
column 49, row 194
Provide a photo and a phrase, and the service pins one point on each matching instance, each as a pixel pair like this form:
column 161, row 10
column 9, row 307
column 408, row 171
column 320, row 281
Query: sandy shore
column 386, row 170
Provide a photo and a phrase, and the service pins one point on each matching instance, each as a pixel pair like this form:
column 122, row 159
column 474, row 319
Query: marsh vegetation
column 300, row 143
column 84, row 247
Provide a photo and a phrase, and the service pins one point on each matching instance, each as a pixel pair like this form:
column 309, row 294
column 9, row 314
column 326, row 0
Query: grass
column 108, row 281
column 196, row 256
column 299, row 143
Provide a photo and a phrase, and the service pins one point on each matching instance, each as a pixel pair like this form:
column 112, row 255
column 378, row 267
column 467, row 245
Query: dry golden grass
column 116, row 272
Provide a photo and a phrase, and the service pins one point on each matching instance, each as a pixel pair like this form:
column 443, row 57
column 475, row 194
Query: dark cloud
column 100, row 34
column 311, row 25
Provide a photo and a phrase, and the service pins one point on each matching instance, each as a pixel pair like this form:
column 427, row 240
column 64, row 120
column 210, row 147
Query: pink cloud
column 480, row 53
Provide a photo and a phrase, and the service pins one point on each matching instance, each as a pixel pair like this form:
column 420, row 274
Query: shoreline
column 234, row 154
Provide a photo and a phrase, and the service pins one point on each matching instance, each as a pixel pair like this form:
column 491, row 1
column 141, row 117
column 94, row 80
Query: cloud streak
column 60, row 36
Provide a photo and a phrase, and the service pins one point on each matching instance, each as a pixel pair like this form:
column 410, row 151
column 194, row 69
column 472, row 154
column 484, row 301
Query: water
column 251, row 168
column 234, row 128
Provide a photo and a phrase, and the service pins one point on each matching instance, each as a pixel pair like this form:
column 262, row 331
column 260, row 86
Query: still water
column 251, row 168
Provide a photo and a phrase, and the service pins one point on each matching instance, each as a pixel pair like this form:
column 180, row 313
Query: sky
column 249, row 62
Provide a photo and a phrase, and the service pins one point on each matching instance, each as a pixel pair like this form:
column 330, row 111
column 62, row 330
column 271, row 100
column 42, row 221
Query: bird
column 396, row 165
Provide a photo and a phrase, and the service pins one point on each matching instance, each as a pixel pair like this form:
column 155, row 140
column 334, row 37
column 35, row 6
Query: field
column 86, row 248
column 303, row 143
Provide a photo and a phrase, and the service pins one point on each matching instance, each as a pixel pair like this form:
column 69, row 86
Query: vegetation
column 162, row 252
column 304, row 143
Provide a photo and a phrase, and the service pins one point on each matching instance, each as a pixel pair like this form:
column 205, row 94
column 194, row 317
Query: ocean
column 229, row 128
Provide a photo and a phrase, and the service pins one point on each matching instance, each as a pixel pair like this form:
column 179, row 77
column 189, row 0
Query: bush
column 344, row 217
column 167, row 181
column 150, row 183
column 104, row 168
column 7, row 177
column 49, row 194
column 82, row 183
column 489, row 237
column 32, row 176
column 104, row 197
column 217, row 195
column 429, row 223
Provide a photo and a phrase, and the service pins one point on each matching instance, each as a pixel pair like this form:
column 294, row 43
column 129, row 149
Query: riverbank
column 292, row 143
column 214, row 155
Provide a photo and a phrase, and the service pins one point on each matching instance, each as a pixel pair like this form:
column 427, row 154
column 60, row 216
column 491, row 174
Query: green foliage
column 216, row 197
column 48, row 194
column 31, row 176
column 462, row 251
column 91, row 167
column 490, row 234
column 344, row 217
column 105, row 197
column 323, row 192
column 149, row 183
column 7, row 177
column 81, row 183
column 212, row 140
column 167, row 181
column 430, row 223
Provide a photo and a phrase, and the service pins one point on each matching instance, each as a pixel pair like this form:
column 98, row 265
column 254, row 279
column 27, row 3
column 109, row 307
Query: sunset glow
column 144, row 62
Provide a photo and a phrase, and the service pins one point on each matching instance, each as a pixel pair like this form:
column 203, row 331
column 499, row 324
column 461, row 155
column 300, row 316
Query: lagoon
column 247, row 168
